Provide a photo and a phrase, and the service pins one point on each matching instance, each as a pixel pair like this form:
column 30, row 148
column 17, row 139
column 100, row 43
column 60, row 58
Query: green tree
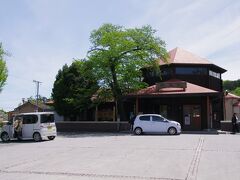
column 119, row 53
column 3, row 68
column 236, row 91
column 73, row 89
column 232, row 86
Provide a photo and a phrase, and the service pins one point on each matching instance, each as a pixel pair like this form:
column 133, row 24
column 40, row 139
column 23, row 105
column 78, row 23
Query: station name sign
column 163, row 85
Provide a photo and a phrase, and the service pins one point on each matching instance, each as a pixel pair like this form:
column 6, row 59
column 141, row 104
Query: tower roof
column 181, row 56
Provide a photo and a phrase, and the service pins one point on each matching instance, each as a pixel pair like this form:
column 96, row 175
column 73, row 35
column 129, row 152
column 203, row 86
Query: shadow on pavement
column 21, row 141
column 92, row 134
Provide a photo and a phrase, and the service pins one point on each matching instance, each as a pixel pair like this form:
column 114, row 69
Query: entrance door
column 191, row 117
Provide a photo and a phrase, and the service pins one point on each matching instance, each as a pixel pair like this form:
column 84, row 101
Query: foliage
column 3, row 68
column 41, row 99
column 3, row 116
column 73, row 88
column 118, row 54
column 236, row 91
column 232, row 86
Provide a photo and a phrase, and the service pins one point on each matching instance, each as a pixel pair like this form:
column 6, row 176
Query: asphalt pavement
column 123, row 156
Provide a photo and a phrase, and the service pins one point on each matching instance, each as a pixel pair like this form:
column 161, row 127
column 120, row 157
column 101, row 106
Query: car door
column 145, row 123
column 28, row 124
column 158, row 124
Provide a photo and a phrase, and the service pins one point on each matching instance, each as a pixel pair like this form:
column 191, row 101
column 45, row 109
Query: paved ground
column 123, row 156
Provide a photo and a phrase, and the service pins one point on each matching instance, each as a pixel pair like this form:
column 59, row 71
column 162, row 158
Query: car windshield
column 47, row 118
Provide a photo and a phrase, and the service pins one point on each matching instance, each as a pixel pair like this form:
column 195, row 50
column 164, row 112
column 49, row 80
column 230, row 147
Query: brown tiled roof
column 190, row 89
column 232, row 96
column 181, row 56
column 40, row 105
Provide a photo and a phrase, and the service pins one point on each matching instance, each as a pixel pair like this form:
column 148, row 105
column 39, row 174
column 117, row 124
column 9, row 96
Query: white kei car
column 155, row 123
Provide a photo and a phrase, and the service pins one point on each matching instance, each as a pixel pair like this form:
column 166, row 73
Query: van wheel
column 37, row 137
column 172, row 131
column 51, row 137
column 5, row 137
column 138, row 131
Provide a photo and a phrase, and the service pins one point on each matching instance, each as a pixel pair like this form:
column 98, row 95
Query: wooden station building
column 189, row 91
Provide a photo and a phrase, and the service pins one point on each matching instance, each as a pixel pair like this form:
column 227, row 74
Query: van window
column 47, row 118
column 144, row 118
column 30, row 119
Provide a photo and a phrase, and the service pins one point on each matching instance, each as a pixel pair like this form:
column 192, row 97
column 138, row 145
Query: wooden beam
column 137, row 106
column 96, row 113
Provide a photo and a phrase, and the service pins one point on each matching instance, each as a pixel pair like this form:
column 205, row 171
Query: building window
column 214, row 74
column 191, row 70
column 163, row 110
column 166, row 72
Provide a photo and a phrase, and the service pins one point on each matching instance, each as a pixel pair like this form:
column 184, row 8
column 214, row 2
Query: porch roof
column 232, row 96
column 191, row 89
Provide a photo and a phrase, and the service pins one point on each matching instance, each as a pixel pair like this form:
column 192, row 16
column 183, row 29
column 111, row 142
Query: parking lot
column 123, row 156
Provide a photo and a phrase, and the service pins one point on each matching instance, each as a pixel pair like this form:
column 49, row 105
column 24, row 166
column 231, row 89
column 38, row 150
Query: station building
column 189, row 91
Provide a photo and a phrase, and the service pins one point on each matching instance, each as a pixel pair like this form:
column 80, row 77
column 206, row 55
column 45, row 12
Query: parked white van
column 36, row 126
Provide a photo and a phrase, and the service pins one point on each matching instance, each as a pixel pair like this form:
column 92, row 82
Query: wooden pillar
column 96, row 113
column 224, row 108
column 137, row 106
column 114, row 113
column 208, row 114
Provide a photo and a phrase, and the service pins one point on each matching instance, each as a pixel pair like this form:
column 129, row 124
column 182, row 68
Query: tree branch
column 96, row 49
column 131, row 50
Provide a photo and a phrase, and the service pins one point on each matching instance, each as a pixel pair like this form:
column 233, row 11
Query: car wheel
column 172, row 131
column 138, row 131
column 5, row 137
column 37, row 137
column 51, row 137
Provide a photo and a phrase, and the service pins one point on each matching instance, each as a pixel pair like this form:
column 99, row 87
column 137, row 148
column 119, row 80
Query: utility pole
column 37, row 83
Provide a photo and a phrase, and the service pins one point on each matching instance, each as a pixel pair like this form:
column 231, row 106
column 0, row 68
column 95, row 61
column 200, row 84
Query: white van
column 36, row 125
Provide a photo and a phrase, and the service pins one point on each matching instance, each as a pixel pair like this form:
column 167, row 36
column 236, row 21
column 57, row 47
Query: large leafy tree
column 3, row 68
column 119, row 53
column 232, row 86
column 237, row 91
column 73, row 89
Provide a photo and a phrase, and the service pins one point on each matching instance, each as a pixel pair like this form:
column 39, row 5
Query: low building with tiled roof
column 30, row 106
column 232, row 105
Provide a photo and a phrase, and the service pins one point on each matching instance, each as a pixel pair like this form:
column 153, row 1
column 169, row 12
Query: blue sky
column 43, row 35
